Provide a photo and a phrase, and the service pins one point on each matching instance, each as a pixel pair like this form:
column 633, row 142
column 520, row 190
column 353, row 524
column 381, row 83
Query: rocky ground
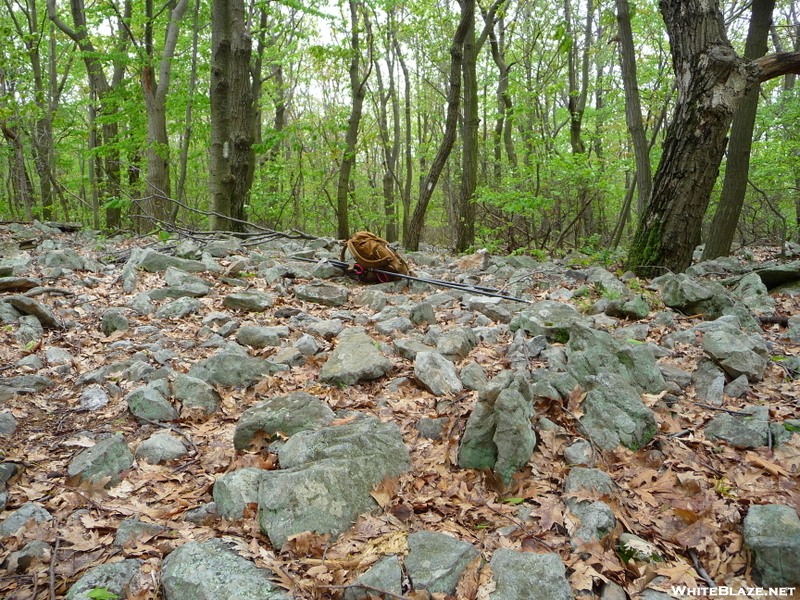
column 214, row 419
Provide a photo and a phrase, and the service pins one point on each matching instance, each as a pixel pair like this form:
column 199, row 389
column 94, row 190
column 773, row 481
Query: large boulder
column 548, row 318
column 327, row 476
column 593, row 352
column 772, row 533
column 737, row 352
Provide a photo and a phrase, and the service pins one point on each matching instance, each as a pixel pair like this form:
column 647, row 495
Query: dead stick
column 700, row 570
column 367, row 587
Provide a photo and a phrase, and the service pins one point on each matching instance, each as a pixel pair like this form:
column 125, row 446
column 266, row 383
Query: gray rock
column 372, row 298
column 591, row 480
column 456, row 344
column 322, row 293
column 195, row 395
column 93, row 398
column 286, row 415
column 548, row 318
column 490, row 307
column 422, row 313
column 29, row 332
column 592, row 352
column 19, row 284
column 55, row 356
column 737, row 352
column 607, row 283
column 615, row 414
column 261, row 337
column 753, row 293
column 186, row 290
column 737, row 387
column 235, row 490
column 179, row 309
column 211, row 571
column 133, row 530
column 397, row 324
column 326, row 329
column 740, row 431
column 473, row 376
column 37, row 383
column 8, row 314
column 436, row 374
column 780, row 274
column 65, row 259
column 527, row 576
column 637, row 332
column 307, row 345
column 153, row 261
column 675, row 374
column 201, row 515
column 224, row 247
column 385, row 574
column 408, row 348
column 17, row 519
column 597, row 521
column 325, row 270
column 523, row 349
column 106, row 459
column 29, row 306
column 8, row 424
column 20, row 561
column 639, row 549
column 326, row 478
column 692, row 296
column 579, row 452
column 772, row 533
column 161, row 448
column 291, row 357
column 709, row 382
column 513, row 435
column 629, row 307
column 435, row 561
column 354, row 359
column 233, row 369
column 251, row 300
column 147, row 402
column 431, row 428
column 114, row 320
column 114, row 577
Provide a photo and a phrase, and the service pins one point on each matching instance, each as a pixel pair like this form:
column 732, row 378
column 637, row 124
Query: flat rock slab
column 29, row 306
column 526, row 576
column 741, row 431
column 436, row 561
column 354, row 359
column 327, row 477
column 232, row 369
column 210, row 571
column 322, row 293
column 153, row 261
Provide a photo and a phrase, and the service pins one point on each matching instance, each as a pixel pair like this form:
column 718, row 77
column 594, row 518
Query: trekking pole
column 491, row 292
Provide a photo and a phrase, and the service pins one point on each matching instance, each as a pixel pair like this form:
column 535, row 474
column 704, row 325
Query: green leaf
column 101, row 594
column 514, row 500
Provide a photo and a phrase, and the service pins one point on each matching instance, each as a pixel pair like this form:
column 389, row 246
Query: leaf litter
column 682, row 494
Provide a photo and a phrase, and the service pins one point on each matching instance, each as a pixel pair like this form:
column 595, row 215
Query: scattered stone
column 235, row 490
column 93, row 398
column 548, row 318
column 709, row 382
column 579, row 453
column 114, row 320
column 524, row 575
column 233, row 369
column 30, row 511
column 322, row 293
column 133, row 530
column 630, row 307
column 106, row 459
column 285, row 415
column 473, row 376
column 354, row 359
column 29, row 306
column 148, row 403
column 385, row 574
column 179, row 309
column 210, row 571
column 772, row 533
column 436, row 374
column 29, row 332
column 741, row 431
column 435, row 561
column 116, row 577
column 431, row 428
column 326, row 478
column 252, row 301
column 737, row 352
column 153, row 261
column 615, row 414
column 161, row 448
column 8, row 424
column 261, row 337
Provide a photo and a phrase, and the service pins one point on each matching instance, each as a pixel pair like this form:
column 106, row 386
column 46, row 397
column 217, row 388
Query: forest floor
column 685, row 494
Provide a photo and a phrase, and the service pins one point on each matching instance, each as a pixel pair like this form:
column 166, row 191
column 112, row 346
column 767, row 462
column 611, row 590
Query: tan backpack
column 372, row 252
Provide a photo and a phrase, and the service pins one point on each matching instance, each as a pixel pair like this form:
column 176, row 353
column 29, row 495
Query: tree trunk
column 633, row 109
column 723, row 226
column 409, row 167
column 358, row 90
column 451, row 122
column 711, row 82
column 231, row 157
column 465, row 207
column 158, row 191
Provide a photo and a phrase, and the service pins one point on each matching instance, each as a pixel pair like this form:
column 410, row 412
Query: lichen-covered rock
column 355, row 358
column 437, row 374
column 772, row 533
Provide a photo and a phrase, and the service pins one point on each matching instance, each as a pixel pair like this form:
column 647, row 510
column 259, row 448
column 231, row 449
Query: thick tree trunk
column 633, row 109
column 723, row 226
column 711, row 82
column 231, row 159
